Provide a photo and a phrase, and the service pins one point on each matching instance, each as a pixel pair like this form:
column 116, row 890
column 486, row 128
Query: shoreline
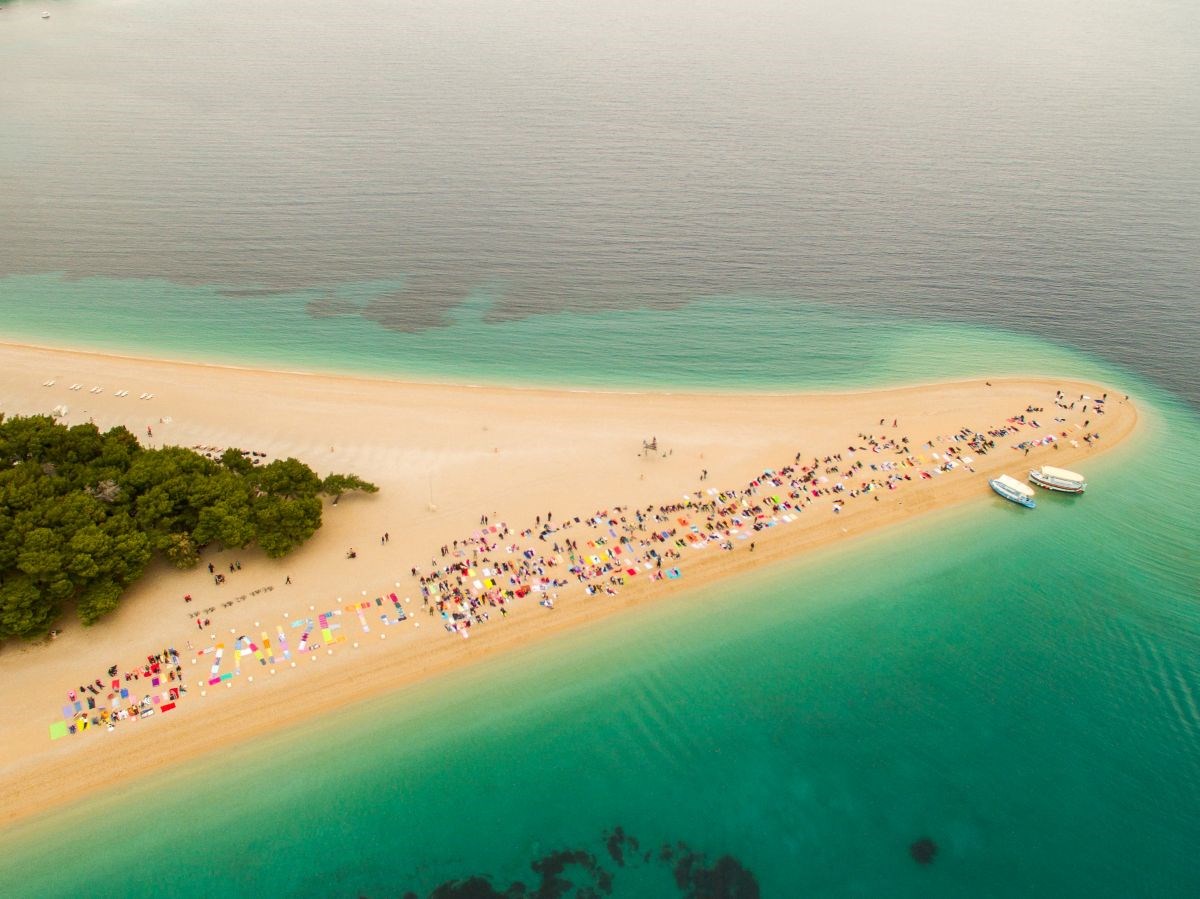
column 580, row 460
column 407, row 381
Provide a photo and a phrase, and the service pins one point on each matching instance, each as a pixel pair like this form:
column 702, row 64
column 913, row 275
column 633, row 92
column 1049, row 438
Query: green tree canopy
column 82, row 513
column 336, row 484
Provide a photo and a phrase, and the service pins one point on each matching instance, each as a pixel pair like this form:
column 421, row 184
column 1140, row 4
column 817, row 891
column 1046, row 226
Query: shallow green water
column 742, row 342
column 1022, row 688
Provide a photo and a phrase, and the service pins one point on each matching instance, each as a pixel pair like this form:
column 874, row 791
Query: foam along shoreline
column 549, row 494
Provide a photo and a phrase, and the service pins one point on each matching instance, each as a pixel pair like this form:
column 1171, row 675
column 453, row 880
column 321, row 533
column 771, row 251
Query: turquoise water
column 1023, row 689
column 737, row 342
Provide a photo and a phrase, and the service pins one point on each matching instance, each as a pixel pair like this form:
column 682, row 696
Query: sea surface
column 720, row 196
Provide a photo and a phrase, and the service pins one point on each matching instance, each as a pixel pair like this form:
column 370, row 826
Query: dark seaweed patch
column 552, row 867
column 726, row 879
column 923, row 851
column 476, row 887
column 578, row 874
column 614, row 842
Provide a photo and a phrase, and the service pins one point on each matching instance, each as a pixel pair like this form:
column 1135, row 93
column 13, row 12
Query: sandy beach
column 487, row 467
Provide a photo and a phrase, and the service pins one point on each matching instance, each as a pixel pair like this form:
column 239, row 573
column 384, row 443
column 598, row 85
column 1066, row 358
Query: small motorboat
column 1058, row 479
column 45, row 15
column 1013, row 491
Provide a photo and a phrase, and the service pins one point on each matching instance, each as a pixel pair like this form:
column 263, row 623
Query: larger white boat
column 1058, row 479
column 1013, row 491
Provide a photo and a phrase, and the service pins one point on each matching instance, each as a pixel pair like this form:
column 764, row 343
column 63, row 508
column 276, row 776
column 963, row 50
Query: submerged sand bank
column 444, row 458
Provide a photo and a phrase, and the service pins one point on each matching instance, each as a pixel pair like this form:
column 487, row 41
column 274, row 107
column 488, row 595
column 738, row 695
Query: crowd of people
column 488, row 571
column 107, row 701
column 485, row 574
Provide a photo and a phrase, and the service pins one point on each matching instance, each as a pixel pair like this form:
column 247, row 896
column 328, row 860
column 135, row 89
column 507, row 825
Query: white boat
column 1013, row 491
column 1058, row 479
column 45, row 15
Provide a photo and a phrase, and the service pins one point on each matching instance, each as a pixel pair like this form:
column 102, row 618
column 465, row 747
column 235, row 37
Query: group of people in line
column 486, row 572
column 216, row 452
